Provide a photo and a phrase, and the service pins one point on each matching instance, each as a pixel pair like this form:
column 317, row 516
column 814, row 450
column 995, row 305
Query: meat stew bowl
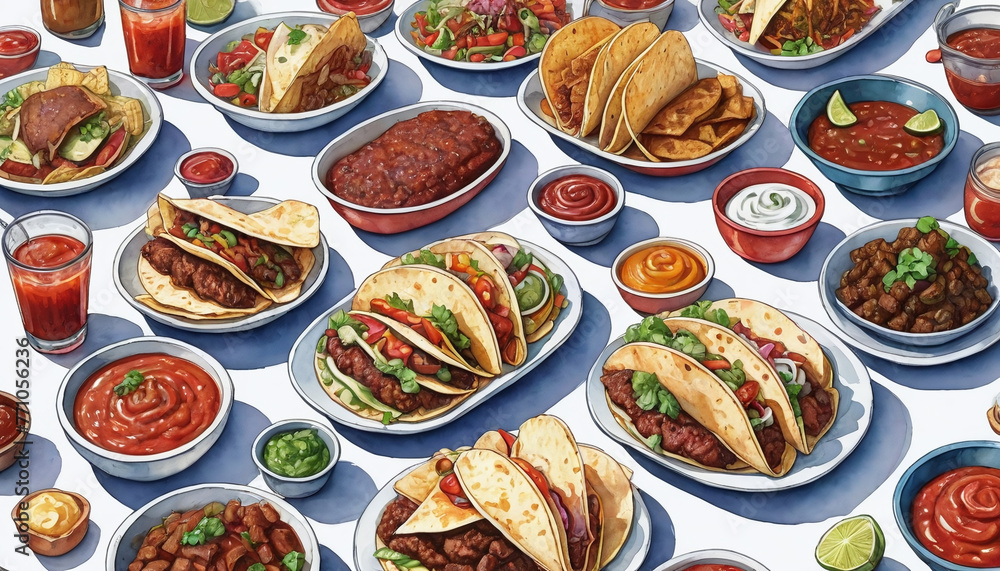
column 395, row 220
column 839, row 261
column 278, row 122
column 151, row 466
column 126, row 540
column 873, row 88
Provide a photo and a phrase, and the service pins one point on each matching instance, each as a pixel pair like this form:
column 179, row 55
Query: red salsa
column 577, row 198
column 712, row 567
column 18, row 50
column 175, row 402
column 9, row 426
column 206, row 167
column 957, row 516
column 877, row 142
column 359, row 7
column 633, row 4
column 977, row 42
column 54, row 308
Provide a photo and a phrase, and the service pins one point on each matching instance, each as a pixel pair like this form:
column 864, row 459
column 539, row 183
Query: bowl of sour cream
column 767, row 214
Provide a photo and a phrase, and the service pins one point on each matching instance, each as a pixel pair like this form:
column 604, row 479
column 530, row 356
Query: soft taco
column 473, row 263
column 375, row 369
column 538, row 291
column 614, row 57
column 270, row 250
column 676, row 406
column 565, row 66
column 439, row 308
column 800, row 378
column 300, row 59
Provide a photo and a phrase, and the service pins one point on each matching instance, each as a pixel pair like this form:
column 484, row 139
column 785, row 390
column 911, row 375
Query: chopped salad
column 487, row 30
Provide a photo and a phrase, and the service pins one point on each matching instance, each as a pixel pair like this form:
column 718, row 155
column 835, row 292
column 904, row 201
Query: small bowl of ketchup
column 371, row 13
column 15, row 420
column 969, row 42
column 625, row 12
column 19, row 47
column 712, row 560
column 207, row 171
column 578, row 205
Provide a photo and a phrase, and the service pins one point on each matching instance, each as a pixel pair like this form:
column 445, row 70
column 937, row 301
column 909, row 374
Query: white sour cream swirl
column 770, row 206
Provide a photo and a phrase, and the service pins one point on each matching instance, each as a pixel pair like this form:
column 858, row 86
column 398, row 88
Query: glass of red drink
column 154, row 39
column 969, row 41
column 48, row 256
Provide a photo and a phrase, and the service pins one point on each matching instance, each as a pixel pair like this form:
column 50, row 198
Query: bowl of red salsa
column 371, row 13
column 875, row 156
column 578, row 204
column 947, row 506
column 625, row 12
column 207, row 171
column 969, row 41
column 711, row 560
column 19, row 47
column 145, row 408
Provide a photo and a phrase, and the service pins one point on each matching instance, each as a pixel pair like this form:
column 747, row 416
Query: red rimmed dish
column 371, row 13
column 662, row 274
column 64, row 537
column 754, row 240
column 401, row 219
column 19, row 47
column 15, row 421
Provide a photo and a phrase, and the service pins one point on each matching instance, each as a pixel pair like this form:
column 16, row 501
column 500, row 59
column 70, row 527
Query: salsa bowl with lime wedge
column 840, row 126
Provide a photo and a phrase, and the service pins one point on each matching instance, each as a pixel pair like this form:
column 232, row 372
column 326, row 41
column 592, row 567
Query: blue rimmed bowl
column 289, row 486
column 577, row 232
column 873, row 88
column 930, row 466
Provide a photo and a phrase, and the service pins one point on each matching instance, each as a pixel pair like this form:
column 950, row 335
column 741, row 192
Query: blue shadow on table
column 940, row 194
column 498, row 83
column 46, row 59
column 806, row 265
column 633, row 226
column 386, row 28
column 243, row 185
column 97, row 38
column 80, row 554
column 227, row 461
column 995, row 119
column 891, row 565
column 121, row 200
column 270, row 344
column 877, row 52
column 719, row 289
column 400, row 88
column 501, row 200
column 242, row 11
column 185, row 90
column 350, row 489
column 836, row 494
column 976, row 371
column 769, row 147
column 661, row 548
column 684, row 17
column 532, row 395
column 102, row 330
column 330, row 560
column 44, row 464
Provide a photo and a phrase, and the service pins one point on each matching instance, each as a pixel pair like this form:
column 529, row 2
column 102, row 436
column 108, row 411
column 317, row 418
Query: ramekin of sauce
column 19, row 47
column 662, row 274
column 15, row 421
column 206, row 171
column 982, row 192
column 296, row 457
column 371, row 13
column 55, row 521
column 767, row 214
column 578, row 205
column 969, row 45
column 956, row 516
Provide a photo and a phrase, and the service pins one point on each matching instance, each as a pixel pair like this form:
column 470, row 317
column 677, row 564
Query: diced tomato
column 534, row 474
column 502, row 326
column 177, row 231
column 745, row 36
column 375, row 327
column 396, row 348
column 518, row 276
column 420, row 23
column 429, row 40
column 450, row 52
column 484, row 290
column 796, row 357
column 19, row 169
column 226, row 90
column 542, row 9
column 477, row 57
column 431, row 333
column 559, row 300
column 519, row 39
column 508, row 438
column 454, row 25
column 497, row 39
column 716, row 364
column 728, row 23
column 501, row 310
column 248, row 100
column 263, row 38
column 748, row 392
column 450, row 485
column 111, row 146
column 242, row 54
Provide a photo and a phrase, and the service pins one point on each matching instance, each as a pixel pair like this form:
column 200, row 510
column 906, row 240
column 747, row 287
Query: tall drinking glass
column 72, row 19
column 154, row 40
column 48, row 256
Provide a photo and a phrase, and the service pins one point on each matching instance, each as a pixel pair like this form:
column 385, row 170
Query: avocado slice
column 81, row 145
column 14, row 150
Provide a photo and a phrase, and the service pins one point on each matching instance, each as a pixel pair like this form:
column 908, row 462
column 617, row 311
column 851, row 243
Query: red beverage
column 53, row 303
column 18, row 49
column 154, row 33
column 206, row 167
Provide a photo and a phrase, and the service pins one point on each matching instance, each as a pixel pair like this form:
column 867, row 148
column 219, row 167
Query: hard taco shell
column 613, row 59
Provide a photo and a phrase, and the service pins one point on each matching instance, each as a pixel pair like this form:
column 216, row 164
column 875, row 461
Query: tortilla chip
column 686, row 109
column 675, row 148
column 63, row 74
column 97, row 81
column 738, row 107
column 61, row 174
column 728, row 131
column 730, row 86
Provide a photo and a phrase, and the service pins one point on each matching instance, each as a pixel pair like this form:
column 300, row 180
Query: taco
column 677, row 407
column 375, row 369
column 270, row 251
column 473, row 263
column 299, row 60
column 614, row 57
column 538, row 291
column 439, row 308
column 565, row 66
column 801, row 378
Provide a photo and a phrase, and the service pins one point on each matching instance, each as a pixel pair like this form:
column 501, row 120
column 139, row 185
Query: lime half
column 208, row 12
column 926, row 123
column 838, row 112
column 853, row 544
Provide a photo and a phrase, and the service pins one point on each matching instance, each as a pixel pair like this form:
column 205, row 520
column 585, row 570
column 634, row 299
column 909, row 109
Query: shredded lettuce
column 650, row 394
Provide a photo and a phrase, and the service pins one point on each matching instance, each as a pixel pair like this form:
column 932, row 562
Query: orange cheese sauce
column 662, row 269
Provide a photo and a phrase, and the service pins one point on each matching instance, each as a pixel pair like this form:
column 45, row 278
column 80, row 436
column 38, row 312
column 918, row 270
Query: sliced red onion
column 765, row 350
column 563, row 514
column 503, row 255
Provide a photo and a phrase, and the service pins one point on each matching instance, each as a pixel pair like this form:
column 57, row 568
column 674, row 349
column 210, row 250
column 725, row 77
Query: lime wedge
column 853, row 544
column 926, row 123
column 208, row 12
column 838, row 112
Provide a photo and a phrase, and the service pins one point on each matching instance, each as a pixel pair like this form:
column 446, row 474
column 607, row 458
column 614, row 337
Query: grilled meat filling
column 209, row 281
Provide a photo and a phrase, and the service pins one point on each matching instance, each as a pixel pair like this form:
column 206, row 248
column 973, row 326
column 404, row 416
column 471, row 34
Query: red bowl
column 767, row 246
column 395, row 220
column 16, row 63
column 650, row 303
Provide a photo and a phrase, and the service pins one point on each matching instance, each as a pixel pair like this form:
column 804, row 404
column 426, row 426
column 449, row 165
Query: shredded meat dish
column 208, row 280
